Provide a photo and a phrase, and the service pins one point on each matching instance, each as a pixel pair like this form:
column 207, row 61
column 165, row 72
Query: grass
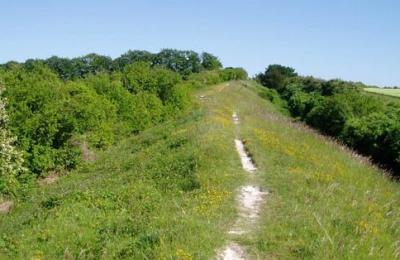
column 384, row 91
column 169, row 193
column 324, row 202
column 165, row 194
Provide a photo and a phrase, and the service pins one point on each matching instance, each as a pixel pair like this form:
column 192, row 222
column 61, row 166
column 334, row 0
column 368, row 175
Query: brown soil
column 5, row 206
column 51, row 178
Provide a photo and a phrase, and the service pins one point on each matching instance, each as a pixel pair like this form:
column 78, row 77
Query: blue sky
column 352, row 40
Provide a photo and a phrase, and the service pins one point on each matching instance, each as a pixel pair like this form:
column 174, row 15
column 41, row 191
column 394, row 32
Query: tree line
column 184, row 62
column 52, row 110
column 366, row 123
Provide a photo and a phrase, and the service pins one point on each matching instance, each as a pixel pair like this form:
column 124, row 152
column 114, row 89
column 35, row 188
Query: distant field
column 384, row 91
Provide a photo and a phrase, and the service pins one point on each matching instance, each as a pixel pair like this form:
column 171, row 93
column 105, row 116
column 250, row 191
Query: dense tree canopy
column 132, row 57
column 183, row 62
column 276, row 75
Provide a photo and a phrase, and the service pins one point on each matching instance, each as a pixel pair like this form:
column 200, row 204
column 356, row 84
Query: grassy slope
column 163, row 194
column 141, row 199
column 382, row 91
column 324, row 203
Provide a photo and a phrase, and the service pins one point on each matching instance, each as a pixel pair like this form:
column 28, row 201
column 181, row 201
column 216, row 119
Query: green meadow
column 384, row 91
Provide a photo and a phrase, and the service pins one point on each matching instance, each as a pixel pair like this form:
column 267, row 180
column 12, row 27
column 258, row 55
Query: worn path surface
column 249, row 199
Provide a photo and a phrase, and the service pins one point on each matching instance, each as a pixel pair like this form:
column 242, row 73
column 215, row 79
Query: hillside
column 170, row 193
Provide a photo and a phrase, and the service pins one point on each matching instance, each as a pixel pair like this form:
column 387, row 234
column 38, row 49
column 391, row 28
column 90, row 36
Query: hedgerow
column 343, row 110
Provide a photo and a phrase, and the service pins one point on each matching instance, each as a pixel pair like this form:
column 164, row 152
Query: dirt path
column 247, row 162
column 249, row 200
column 232, row 252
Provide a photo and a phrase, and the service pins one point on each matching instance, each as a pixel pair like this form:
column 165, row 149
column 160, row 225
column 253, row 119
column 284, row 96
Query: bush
column 11, row 161
column 178, row 98
column 377, row 135
column 46, row 113
column 329, row 116
column 148, row 110
column 300, row 103
column 204, row 78
column 273, row 96
column 166, row 82
column 233, row 74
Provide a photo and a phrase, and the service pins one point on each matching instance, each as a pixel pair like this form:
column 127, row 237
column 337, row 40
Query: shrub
column 147, row 111
column 166, row 82
column 233, row 74
column 139, row 77
column 46, row 113
column 11, row 161
column 329, row 116
column 204, row 78
column 273, row 96
column 300, row 103
column 377, row 135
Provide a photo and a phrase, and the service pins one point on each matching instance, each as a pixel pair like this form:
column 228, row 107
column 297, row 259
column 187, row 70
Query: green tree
column 133, row 56
column 183, row 62
column 97, row 63
column 210, row 62
column 62, row 66
column 275, row 76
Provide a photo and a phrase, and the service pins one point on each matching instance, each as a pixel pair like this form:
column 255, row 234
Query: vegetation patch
column 366, row 123
column 63, row 111
column 163, row 193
